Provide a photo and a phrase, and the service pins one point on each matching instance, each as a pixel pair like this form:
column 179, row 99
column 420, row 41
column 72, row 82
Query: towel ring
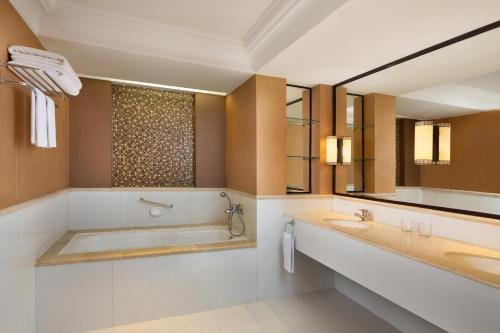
column 290, row 223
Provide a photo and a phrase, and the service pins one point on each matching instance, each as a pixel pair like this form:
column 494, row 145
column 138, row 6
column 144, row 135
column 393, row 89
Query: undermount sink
column 349, row 224
column 485, row 264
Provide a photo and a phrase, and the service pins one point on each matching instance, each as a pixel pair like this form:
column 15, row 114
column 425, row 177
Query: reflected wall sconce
column 432, row 143
column 338, row 150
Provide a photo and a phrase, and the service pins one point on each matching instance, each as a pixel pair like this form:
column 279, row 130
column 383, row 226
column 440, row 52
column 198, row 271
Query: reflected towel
column 288, row 251
column 51, row 122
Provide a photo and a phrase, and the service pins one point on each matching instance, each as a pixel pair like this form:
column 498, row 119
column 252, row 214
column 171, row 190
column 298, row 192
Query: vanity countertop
column 429, row 250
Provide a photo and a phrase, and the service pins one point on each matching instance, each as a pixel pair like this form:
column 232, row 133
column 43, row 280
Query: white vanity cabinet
column 450, row 301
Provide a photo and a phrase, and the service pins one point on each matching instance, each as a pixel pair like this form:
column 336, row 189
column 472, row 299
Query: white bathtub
column 86, row 242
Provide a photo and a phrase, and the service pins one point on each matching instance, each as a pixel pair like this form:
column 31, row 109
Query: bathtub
column 124, row 243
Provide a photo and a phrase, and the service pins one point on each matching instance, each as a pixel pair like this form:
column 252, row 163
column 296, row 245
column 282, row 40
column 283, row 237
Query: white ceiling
column 206, row 44
column 217, row 44
column 364, row 34
column 230, row 19
column 424, row 110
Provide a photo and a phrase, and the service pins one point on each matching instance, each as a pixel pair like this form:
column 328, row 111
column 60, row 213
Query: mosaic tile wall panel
column 153, row 138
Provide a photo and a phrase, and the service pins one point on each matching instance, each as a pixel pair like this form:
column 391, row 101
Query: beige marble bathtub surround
column 53, row 257
column 429, row 250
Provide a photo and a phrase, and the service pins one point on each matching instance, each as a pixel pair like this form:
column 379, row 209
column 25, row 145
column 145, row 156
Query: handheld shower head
column 225, row 195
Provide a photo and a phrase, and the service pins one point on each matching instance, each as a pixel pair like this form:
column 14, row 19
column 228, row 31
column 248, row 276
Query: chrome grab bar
column 157, row 204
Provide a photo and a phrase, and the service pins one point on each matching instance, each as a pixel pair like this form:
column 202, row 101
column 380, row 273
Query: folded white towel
column 288, row 251
column 33, row 117
column 58, row 77
column 51, row 123
column 40, row 62
column 41, row 119
column 29, row 53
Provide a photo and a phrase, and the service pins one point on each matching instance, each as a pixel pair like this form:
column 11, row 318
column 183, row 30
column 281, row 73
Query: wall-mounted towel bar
column 158, row 204
column 33, row 78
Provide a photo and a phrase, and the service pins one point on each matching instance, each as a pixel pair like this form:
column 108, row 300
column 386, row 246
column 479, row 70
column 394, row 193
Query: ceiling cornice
column 48, row 5
column 76, row 23
column 274, row 14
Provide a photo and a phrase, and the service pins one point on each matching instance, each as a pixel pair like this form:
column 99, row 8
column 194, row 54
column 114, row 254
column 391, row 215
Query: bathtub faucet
column 230, row 211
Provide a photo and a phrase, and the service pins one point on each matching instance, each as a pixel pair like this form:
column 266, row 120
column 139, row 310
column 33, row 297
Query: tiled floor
column 320, row 312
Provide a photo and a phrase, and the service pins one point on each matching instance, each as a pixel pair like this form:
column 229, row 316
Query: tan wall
column 210, row 140
column 322, row 111
column 26, row 172
column 256, row 136
column 241, row 144
column 380, row 143
column 475, row 160
column 90, row 135
column 271, row 135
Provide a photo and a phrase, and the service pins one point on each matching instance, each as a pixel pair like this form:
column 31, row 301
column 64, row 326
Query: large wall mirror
column 428, row 131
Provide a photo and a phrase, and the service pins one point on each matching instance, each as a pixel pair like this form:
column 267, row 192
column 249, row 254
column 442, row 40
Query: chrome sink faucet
column 365, row 215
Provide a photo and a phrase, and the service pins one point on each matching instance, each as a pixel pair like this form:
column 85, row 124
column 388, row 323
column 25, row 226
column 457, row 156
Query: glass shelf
column 359, row 127
column 303, row 157
column 301, row 121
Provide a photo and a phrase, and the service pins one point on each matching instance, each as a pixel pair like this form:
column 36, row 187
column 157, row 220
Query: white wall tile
column 249, row 205
column 135, row 213
column 74, row 298
column 271, row 275
column 24, row 235
column 207, row 207
column 273, row 281
column 157, row 287
column 233, row 277
column 94, row 209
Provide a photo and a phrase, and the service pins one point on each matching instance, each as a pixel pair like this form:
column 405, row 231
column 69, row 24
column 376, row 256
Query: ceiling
column 211, row 45
column 217, row 44
column 204, row 17
column 363, row 34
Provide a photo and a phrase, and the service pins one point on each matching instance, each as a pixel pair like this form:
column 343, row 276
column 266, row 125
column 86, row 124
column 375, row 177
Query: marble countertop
column 429, row 250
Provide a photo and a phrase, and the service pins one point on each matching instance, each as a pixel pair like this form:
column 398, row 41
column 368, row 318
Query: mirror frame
column 427, row 50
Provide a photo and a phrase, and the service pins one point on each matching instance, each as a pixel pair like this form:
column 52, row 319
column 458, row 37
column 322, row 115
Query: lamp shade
column 338, row 150
column 432, row 143
column 331, row 150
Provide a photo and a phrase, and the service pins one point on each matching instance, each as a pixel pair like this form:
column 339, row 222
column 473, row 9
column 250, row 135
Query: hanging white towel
column 41, row 119
column 51, row 122
column 33, row 117
column 288, row 250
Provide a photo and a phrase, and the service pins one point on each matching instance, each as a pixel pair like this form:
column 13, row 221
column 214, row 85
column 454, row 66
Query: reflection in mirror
column 430, row 128
column 354, row 117
column 299, row 134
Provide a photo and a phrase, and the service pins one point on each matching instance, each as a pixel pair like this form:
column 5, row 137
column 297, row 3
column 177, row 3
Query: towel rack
column 152, row 203
column 290, row 224
column 33, row 77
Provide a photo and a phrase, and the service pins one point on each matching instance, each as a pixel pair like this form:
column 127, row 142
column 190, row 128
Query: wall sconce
column 432, row 143
column 338, row 150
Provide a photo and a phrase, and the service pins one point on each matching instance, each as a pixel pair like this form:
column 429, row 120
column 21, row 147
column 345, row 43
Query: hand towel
column 33, row 117
column 47, row 57
column 51, row 122
column 288, row 251
column 41, row 119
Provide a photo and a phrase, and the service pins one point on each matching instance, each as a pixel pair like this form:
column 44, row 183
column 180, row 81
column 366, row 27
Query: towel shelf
column 33, row 78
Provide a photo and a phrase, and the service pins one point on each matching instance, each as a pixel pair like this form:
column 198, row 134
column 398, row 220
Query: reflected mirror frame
column 417, row 54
